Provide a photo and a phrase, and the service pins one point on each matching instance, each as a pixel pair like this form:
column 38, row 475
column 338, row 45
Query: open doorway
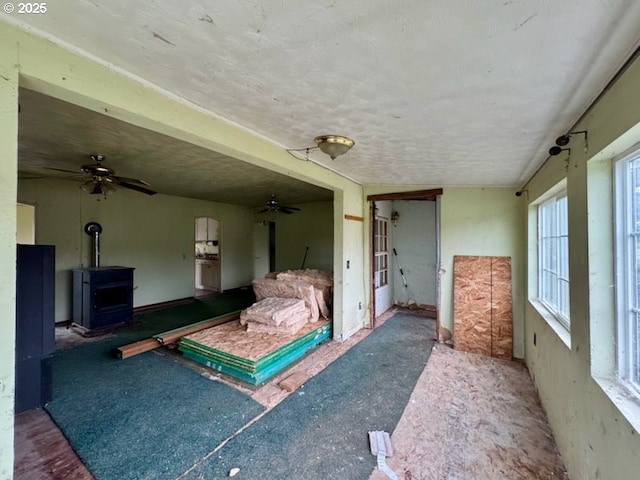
column 207, row 256
column 405, row 248
column 264, row 248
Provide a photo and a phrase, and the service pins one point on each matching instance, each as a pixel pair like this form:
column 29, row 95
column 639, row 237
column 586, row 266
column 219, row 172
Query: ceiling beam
column 415, row 195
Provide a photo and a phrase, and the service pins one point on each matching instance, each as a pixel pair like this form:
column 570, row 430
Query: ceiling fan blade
column 290, row 208
column 76, row 172
column 285, row 210
column 120, row 179
column 137, row 188
column 264, row 210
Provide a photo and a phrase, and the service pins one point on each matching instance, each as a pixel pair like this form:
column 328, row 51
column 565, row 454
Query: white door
column 260, row 249
column 381, row 276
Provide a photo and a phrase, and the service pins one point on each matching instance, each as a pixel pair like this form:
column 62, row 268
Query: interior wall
column 482, row 221
column 154, row 234
column 8, row 230
column 414, row 238
column 26, row 224
column 596, row 440
column 311, row 227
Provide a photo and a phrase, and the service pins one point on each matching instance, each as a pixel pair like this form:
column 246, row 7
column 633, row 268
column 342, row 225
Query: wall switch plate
column 534, row 339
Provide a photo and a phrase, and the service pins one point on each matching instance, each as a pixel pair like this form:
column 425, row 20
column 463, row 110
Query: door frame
column 431, row 195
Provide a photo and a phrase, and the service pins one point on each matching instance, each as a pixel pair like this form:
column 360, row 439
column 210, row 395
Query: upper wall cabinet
column 206, row 229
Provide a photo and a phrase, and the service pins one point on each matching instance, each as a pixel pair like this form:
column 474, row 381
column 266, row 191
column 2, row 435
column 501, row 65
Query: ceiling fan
column 101, row 179
column 272, row 205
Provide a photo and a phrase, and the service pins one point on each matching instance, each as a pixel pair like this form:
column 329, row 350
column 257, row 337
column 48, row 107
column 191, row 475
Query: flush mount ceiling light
column 334, row 145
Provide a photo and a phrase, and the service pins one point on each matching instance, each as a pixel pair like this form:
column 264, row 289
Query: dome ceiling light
column 332, row 145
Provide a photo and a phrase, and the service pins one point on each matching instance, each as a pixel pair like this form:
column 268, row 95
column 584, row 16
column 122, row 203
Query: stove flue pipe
column 94, row 229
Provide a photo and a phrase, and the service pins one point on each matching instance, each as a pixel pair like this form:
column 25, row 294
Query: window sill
column 626, row 402
column 561, row 331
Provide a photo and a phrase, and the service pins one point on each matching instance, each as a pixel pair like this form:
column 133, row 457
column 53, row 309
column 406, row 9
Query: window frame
column 626, row 240
column 561, row 272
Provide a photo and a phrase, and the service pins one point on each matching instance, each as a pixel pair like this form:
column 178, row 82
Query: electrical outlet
column 359, row 305
column 348, row 264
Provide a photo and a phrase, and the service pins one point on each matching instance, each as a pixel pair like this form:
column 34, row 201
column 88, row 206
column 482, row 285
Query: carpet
column 147, row 324
column 147, row 417
column 320, row 431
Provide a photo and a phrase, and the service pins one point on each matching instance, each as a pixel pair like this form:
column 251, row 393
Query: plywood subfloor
column 42, row 452
column 473, row 417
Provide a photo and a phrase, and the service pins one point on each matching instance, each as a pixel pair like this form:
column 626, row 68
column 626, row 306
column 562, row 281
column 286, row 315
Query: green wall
column 482, row 221
column 154, row 234
column 576, row 379
column 414, row 238
column 311, row 227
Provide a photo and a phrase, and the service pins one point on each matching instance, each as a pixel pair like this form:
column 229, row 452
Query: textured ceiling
column 56, row 134
column 439, row 92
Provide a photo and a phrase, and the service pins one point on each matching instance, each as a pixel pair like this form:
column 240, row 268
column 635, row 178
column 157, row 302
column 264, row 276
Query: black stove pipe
column 94, row 229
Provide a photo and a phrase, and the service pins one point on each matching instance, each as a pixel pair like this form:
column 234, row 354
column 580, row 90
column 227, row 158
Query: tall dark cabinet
column 35, row 324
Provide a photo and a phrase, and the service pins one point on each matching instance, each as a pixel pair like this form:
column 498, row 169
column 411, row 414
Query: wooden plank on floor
column 172, row 336
column 136, row 348
column 294, row 381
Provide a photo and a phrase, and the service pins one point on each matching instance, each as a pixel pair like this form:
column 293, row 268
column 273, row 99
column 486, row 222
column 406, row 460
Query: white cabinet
column 208, row 274
column 206, row 229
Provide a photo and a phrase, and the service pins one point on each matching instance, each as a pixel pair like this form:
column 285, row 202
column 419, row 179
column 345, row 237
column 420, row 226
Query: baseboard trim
column 160, row 305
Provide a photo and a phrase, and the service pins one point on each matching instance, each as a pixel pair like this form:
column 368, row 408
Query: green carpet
column 147, row 324
column 146, row 417
column 320, row 432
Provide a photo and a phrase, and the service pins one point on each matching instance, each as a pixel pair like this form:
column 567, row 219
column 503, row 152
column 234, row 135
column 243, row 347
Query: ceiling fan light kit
column 273, row 206
column 102, row 180
column 334, row 145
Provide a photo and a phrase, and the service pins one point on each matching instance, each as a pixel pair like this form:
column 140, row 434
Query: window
column 627, row 232
column 381, row 251
column 553, row 257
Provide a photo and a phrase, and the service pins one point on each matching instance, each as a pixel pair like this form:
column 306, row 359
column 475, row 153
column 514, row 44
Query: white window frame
column 381, row 252
column 560, row 267
column 627, row 242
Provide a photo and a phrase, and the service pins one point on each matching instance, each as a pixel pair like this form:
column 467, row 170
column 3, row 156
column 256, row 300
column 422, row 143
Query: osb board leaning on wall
column 482, row 308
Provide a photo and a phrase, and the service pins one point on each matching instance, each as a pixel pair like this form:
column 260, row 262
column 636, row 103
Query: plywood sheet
column 501, row 308
column 472, row 304
column 232, row 339
column 483, row 321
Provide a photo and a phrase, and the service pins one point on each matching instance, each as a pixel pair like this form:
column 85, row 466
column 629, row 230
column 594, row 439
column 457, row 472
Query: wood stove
column 102, row 297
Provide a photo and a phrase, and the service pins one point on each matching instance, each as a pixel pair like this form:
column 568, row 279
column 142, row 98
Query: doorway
column 264, row 248
column 405, row 252
column 207, row 256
